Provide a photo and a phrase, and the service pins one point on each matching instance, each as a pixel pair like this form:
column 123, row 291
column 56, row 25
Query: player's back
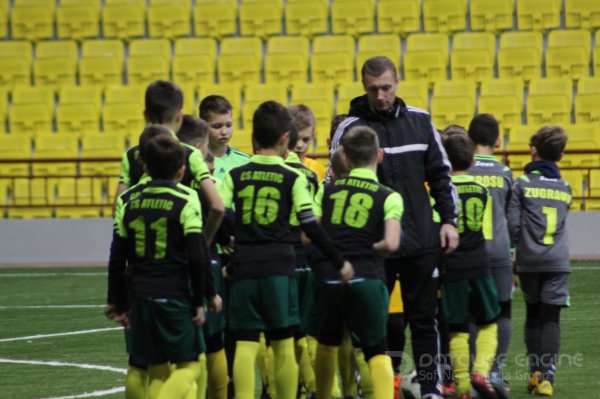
column 537, row 220
column 155, row 220
column 353, row 211
column 470, row 258
column 497, row 178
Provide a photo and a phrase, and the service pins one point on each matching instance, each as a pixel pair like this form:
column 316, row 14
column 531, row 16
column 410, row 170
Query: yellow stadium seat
column 414, row 93
column 568, row 54
column 399, row 16
column 81, row 95
column 570, row 160
column 15, row 63
column 240, row 61
column 107, row 145
column 215, row 19
column 539, row 15
column 76, row 198
column 15, row 147
column 169, row 19
column 548, row 109
column 352, row 17
column 374, row 45
column 4, row 7
column 56, row 63
column 231, row 91
column 503, row 87
column 27, row 192
column 588, row 85
column 444, row 16
column 587, row 109
column 33, row 95
column 502, row 98
column 307, row 18
column 333, row 59
column 194, row 62
column 55, row 146
column 582, row 14
column 552, row 86
column 3, row 108
column 30, row 118
column 594, row 185
column 242, row 140
column 319, row 98
column 148, row 61
column 78, row 19
column 77, row 118
column 575, row 179
column 261, row 18
column 451, row 111
column 492, row 16
column 455, row 88
column 125, row 94
column 473, row 56
column 32, row 22
column 123, row 19
column 426, row 57
column 520, row 55
column 346, row 93
column 286, row 60
column 189, row 98
column 110, row 48
column 125, row 118
column 150, row 48
column 255, row 94
column 101, row 63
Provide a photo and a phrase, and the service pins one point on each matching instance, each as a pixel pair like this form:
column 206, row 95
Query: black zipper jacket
column 414, row 155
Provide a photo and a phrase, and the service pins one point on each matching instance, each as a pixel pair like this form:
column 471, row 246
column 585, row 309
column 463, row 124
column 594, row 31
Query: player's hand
column 346, row 272
column 216, row 304
column 199, row 318
column 228, row 248
column 109, row 311
column 224, row 272
column 448, row 238
column 123, row 319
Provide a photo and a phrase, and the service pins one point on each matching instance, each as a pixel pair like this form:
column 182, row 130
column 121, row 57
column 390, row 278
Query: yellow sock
column 346, row 367
column 366, row 382
column 157, row 376
column 181, row 383
column 307, row 373
column 286, row 368
column 202, row 378
column 216, row 365
column 486, row 344
column 382, row 375
column 459, row 355
column 136, row 383
column 265, row 362
column 325, row 370
column 243, row 369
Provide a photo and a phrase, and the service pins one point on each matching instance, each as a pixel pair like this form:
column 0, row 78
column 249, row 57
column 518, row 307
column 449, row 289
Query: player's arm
column 117, row 296
column 393, row 209
column 216, row 208
column 515, row 210
column 124, row 179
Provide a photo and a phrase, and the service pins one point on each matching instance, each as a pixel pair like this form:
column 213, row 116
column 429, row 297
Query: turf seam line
column 52, row 306
column 60, row 334
column 65, row 274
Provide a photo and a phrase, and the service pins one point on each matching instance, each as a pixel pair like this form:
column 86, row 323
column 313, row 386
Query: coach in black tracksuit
column 414, row 156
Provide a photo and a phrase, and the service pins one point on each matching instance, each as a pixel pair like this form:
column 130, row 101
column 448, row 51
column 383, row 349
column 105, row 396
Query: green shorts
column 162, row 331
column 263, row 303
column 306, row 281
column 215, row 322
column 475, row 297
column 361, row 306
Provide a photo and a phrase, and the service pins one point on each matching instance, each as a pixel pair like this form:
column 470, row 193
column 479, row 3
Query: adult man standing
column 414, row 156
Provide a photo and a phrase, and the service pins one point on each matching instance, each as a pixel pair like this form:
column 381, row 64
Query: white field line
column 94, row 394
column 52, row 307
column 67, row 274
column 60, row 334
column 585, row 268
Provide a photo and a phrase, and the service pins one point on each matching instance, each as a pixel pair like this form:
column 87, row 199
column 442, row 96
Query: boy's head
column 339, row 169
column 484, row 130
column 293, row 137
column 335, row 123
column 451, row 130
column 194, row 131
column 460, row 149
column 164, row 102
column 305, row 122
column 217, row 112
column 148, row 134
column 165, row 158
column 361, row 147
column 548, row 143
column 271, row 125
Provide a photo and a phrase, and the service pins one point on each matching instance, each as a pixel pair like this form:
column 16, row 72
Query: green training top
column 353, row 211
column 231, row 159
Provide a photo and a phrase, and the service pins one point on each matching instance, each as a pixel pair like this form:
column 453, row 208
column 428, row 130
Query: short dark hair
column 377, row 66
column 193, row 130
column 550, row 142
column 148, row 134
column 293, row 137
column 214, row 104
column 484, row 130
column 335, row 123
column 451, row 130
column 360, row 145
column 338, row 166
column 163, row 100
column 271, row 120
column 302, row 116
column 165, row 156
column 460, row 149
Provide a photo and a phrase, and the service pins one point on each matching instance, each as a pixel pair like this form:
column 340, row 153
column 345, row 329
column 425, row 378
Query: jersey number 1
column 551, row 221
column 160, row 242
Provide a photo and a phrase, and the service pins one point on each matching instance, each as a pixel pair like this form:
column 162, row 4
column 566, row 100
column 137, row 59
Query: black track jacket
column 413, row 155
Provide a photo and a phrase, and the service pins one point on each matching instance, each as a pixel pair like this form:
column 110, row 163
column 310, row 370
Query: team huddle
column 223, row 263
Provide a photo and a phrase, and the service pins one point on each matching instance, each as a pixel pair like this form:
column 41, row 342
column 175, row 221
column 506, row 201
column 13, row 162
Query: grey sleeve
column 513, row 215
column 508, row 176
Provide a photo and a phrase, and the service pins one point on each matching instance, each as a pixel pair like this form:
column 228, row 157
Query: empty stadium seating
column 352, row 17
column 306, row 17
column 169, row 19
column 568, row 54
column 37, row 192
column 56, row 63
column 319, row 98
column 255, row 94
column 346, row 93
column 444, row 16
column 149, row 60
column 377, row 45
column 14, row 147
column 426, row 57
column 124, row 19
column 549, row 101
column 504, row 99
column 55, row 146
column 78, row 19
column 539, row 15
column 582, row 14
column 32, row 20
column 587, row 101
column 473, row 56
column 260, row 18
column 15, row 63
column 240, row 60
column 520, row 55
column 453, row 102
column 492, row 16
column 414, row 93
column 287, row 60
column 214, row 19
column 78, row 191
column 399, row 16
column 333, row 59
